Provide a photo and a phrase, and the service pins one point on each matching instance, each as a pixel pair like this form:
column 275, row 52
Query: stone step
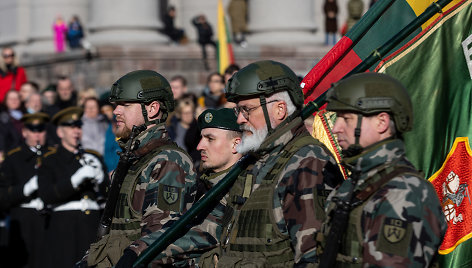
column 101, row 66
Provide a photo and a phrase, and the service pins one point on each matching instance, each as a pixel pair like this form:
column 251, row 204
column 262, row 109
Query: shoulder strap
column 367, row 192
column 290, row 149
column 151, row 146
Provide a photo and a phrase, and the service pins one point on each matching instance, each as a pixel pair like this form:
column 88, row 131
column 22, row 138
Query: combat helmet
column 144, row 86
column 262, row 79
column 369, row 94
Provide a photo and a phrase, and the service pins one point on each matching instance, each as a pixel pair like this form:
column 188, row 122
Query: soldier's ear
column 60, row 132
column 383, row 122
column 153, row 109
column 236, row 141
column 280, row 110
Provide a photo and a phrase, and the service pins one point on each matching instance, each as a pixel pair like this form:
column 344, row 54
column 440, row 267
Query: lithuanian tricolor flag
column 225, row 49
column 382, row 21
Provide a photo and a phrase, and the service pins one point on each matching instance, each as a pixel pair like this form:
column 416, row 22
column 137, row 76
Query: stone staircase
column 101, row 66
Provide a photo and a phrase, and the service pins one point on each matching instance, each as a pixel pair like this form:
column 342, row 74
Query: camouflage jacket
column 311, row 171
column 401, row 223
column 168, row 168
column 186, row 251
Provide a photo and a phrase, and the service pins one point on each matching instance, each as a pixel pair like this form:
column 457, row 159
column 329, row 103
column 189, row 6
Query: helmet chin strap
column 148, row 122
column 263, row 101
column 356, row 148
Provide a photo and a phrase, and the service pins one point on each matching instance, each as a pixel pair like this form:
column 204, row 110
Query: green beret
column 223, row 118
column 70, row 116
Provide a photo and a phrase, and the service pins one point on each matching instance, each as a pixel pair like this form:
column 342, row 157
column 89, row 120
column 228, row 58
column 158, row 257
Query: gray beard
column 251, row 143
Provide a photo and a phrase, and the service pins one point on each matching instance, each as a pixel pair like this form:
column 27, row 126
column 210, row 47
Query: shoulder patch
column 394, row 237
column 169, row 198
column 14, row 150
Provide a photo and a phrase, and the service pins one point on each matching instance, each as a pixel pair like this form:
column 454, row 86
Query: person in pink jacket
column 60, row 30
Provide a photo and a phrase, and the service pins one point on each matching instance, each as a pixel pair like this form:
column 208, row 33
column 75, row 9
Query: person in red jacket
column 12, row 76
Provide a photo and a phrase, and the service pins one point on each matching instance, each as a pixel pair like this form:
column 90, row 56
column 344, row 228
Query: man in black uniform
column 71, row 181
column 18, row 194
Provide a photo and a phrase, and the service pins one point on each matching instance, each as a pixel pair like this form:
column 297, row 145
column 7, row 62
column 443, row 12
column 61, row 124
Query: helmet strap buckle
column 355, row 148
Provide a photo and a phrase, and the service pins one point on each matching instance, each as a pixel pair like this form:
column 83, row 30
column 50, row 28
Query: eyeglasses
column 7, row 55
column 245, row 110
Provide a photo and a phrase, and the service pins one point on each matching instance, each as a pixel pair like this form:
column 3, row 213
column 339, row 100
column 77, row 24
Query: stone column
column 43, row 14
column 14, row 22
column 273, row 22
column 124, row 21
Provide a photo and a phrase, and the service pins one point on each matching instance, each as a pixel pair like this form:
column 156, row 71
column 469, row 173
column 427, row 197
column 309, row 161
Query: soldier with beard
column 160, row 184
column 278, row 201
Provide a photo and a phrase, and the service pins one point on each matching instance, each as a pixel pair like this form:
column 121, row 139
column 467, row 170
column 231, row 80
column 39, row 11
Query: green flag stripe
column 393, row 20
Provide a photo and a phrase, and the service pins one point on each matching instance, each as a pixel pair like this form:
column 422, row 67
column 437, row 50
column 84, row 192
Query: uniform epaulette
column 51, row 150
column 90, row 151
column 14, row 150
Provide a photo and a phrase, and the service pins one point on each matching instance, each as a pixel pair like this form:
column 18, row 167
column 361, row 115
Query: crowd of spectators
column 98, row 119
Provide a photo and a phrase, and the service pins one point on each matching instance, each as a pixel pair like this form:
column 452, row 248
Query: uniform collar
column 155, row 132
column 377, row 154
column 281, row 136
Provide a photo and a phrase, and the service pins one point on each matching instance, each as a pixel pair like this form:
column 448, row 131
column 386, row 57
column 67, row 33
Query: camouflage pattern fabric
column 165, row 189
column 204, row 236
column 401, row 224
column 298, row 214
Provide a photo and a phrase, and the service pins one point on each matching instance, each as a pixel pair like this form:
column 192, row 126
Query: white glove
column 31, row 186
column 91, row 160
column 83, row 173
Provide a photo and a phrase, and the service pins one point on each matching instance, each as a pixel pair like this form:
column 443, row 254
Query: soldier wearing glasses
column 72, row 181
column 280, row 201
column 18, row 193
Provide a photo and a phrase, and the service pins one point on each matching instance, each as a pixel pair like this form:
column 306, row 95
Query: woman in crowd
column 10, row 124
column 94, row 126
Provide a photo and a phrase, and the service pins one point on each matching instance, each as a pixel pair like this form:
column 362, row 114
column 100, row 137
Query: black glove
column 127, row 260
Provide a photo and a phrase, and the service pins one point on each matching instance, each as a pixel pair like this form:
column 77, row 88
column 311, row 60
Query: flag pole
column 179, row 228
column 355, row 35
column 377, row 54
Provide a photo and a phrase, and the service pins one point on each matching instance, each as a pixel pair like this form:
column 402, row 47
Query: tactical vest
column 126, row 222
column 351, row 249
column 255, row 238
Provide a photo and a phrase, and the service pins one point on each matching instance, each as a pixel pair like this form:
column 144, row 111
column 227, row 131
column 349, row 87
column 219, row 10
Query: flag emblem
column 452, row 185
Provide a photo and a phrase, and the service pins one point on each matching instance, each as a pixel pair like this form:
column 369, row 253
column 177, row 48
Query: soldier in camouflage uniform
column 220, row 135
column 159, row 186
column 394, row 215
column 278, row 201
